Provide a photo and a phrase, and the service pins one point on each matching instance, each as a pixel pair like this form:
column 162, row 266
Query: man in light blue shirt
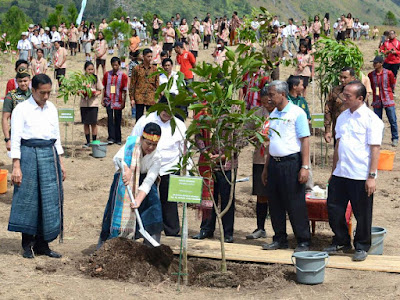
column 286, row 169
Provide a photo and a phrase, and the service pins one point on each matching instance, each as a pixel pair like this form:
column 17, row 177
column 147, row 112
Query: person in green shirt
column 296, row 88
column 295, row 84
column 12, row 99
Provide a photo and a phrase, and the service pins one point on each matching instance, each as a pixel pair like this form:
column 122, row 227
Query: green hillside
column 372, row 11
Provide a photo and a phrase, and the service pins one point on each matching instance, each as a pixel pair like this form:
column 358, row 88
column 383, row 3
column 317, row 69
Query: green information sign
column 317, row 121
column 186, row 189
column 66, row 115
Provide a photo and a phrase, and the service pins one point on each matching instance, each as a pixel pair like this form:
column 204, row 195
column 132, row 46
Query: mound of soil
column 206, row 273
column 124, row 259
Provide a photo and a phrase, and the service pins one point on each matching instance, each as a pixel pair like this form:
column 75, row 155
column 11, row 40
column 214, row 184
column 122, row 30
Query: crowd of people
column 281, row 166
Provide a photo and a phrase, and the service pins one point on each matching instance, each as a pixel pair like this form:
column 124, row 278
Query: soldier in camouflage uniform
column 13, row 98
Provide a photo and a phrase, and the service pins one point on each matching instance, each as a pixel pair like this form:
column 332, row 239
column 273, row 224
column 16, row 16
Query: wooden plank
column 251, row 253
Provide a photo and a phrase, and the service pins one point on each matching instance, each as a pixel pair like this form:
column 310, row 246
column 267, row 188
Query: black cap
column 22, row 73
column 378, row 59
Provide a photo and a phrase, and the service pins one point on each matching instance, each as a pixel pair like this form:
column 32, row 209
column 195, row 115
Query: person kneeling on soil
column 142, row 163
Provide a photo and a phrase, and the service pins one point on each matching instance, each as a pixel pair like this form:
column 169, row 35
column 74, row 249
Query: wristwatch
column 6, row 140
column 372, row 175
column 306, row 167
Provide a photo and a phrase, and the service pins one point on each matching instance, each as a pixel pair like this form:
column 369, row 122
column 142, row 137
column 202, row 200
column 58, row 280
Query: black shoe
column 302, row 247
column 28, row 253
column 360, row 255
column 49, row 253
column 275, row 246
column 110, row 142
column 119, row 143
column 203, row 235
column 335, row 249
column 228, row 239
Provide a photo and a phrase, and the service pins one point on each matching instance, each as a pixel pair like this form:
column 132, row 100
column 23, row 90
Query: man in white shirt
column 336, row 28
column 286, row 169
column 275, row 21
column 54, row 37
column 289, row 34
column 38, row 171
column 36, row 42
column 357, row 29
column 355, row 162
column 167, row 65
column 46, row 43
column 135, row 24
column 24, row 46
column 255, row 25
column 171, row 148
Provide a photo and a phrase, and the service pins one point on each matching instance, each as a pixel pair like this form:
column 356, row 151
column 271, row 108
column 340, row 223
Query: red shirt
column 114, row 85
column 382, row 88
column 187, row 62
column 258, row 80
column 391, row 58
column 11, row 85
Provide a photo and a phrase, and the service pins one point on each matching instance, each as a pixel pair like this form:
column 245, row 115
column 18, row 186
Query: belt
column 286, row 158
column 38, row 143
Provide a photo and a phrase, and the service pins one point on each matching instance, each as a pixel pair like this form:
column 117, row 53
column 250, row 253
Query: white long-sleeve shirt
column 30, row 121
column 170, row 145
column 55, row 36
column 165, row 79
column 150, row 164
column 24, row 45
column 35, row 40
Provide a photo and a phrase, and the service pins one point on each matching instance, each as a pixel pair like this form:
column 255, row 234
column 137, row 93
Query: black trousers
column 169, row 209
column 155, row 32
column 341, row 36
column 35, row 241
column 222, row 189
column 392, row 67
column 286, row 194
column 140, row 110
column 340, row 192
column 114, row 124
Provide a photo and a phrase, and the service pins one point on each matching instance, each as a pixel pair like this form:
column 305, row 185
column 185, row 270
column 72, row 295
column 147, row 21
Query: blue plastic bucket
column 310, row 266
column 377, row 237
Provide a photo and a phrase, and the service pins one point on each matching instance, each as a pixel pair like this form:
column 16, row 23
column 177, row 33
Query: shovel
column 142, row 231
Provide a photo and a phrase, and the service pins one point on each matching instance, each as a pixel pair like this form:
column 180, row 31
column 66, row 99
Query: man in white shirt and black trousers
column 286, row 169
column 171, row 148
column 355, row 162
column 38, row 171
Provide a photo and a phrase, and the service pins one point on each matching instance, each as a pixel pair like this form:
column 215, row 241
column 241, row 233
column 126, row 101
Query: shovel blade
column 149, row 238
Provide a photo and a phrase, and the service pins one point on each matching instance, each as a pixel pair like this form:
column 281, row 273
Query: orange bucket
column 3, row 181
column 386, row 159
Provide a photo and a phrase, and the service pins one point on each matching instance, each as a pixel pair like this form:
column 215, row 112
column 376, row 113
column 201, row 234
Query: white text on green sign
column 66, row 115
column 186, row 189
column 317, row 120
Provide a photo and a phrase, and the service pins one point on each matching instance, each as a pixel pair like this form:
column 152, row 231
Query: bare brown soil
column 86, row 192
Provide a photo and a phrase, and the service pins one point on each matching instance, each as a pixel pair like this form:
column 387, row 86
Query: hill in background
column 372, row 11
